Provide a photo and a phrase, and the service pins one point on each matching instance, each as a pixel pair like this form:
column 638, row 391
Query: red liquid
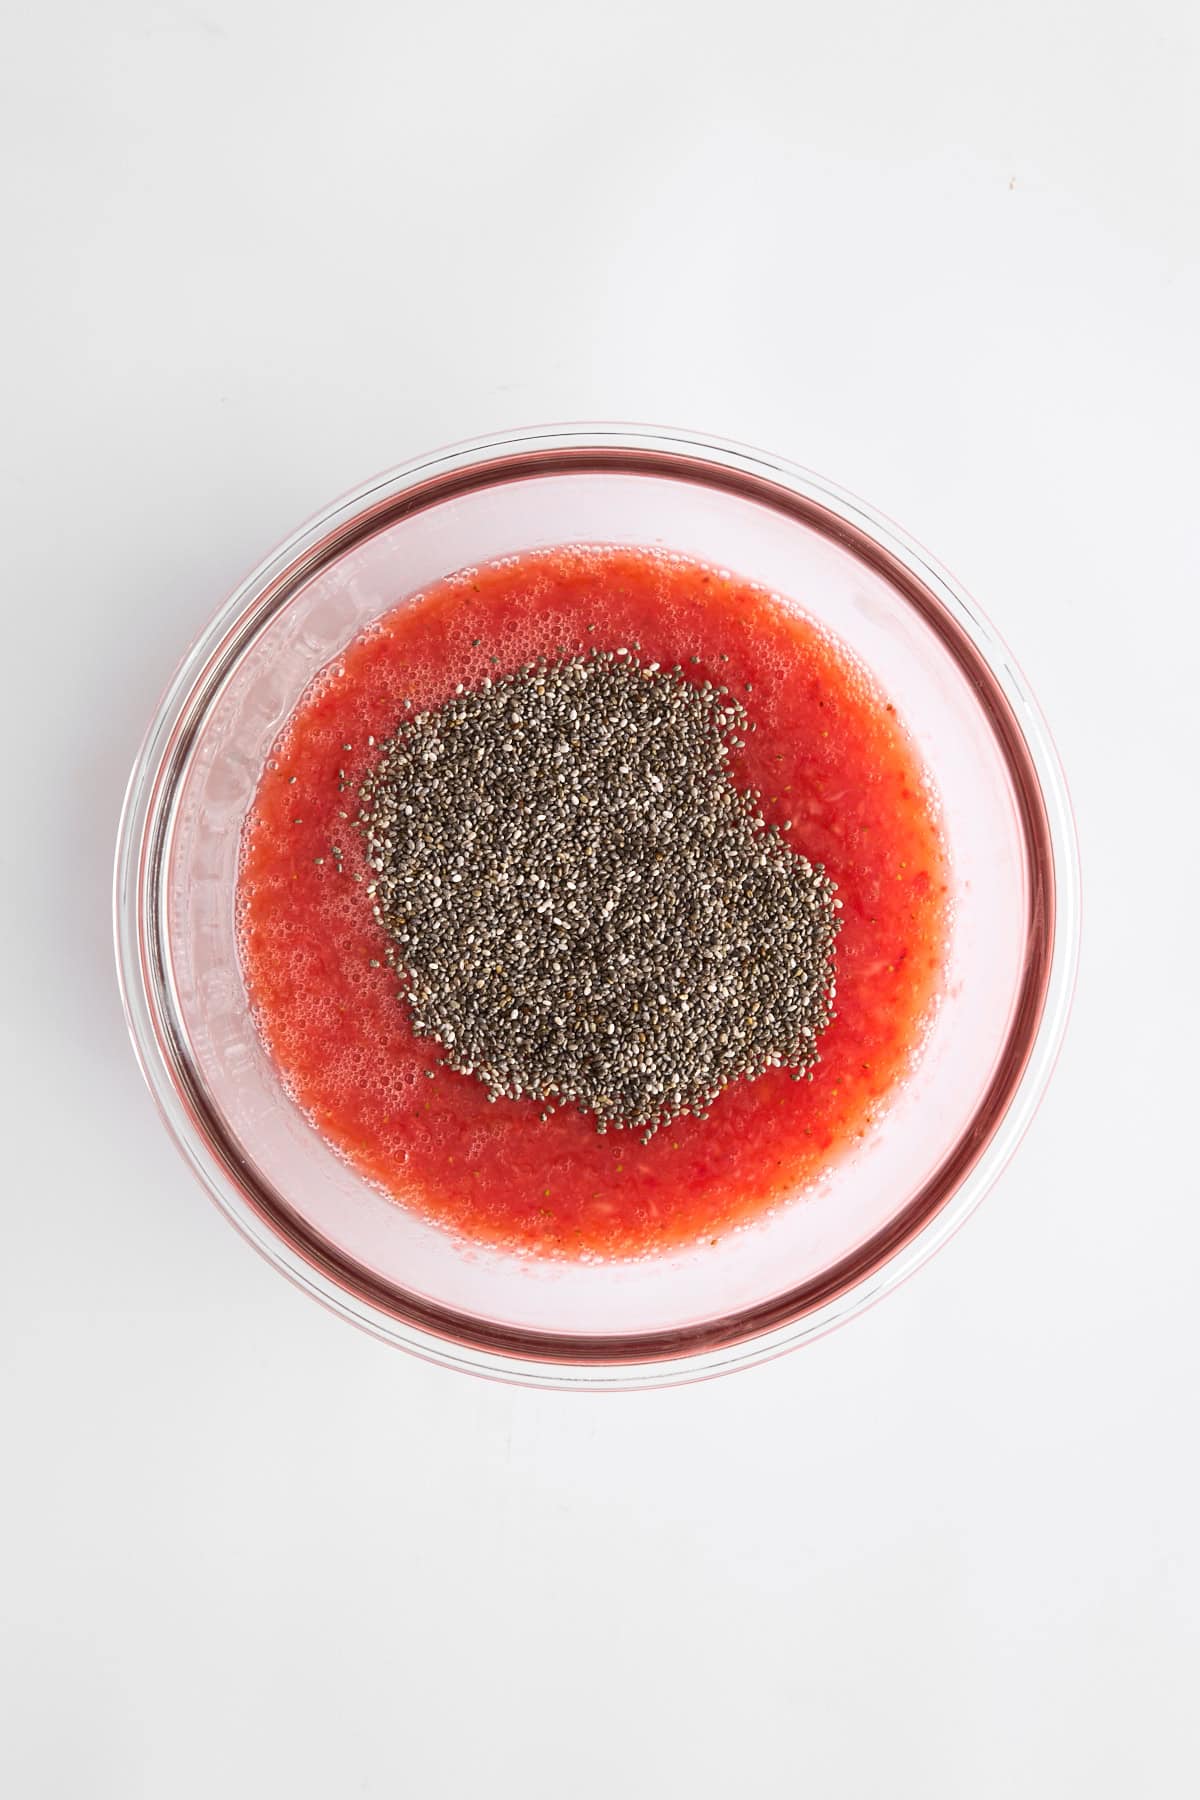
column 829, row 753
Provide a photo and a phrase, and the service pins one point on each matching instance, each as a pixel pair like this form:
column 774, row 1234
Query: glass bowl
column 816, row 1260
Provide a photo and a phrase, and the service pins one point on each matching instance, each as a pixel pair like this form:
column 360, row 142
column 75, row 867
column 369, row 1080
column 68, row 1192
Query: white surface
column 945, row 254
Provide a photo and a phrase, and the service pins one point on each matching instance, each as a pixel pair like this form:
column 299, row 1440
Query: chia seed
column 584, row 910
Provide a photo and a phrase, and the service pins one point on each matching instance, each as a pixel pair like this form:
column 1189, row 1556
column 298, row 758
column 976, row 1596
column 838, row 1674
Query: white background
column 944, row 253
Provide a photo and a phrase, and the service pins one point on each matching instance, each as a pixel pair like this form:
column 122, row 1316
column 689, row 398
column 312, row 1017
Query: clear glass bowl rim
column 964, row 1175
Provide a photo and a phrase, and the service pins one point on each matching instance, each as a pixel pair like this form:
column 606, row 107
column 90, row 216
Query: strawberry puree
column 828, row 753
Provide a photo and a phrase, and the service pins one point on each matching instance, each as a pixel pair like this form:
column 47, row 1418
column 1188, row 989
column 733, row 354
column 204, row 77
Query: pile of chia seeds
column 584, row 909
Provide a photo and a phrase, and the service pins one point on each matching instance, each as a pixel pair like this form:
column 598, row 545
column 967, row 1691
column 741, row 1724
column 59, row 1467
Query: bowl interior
column 808, row 1249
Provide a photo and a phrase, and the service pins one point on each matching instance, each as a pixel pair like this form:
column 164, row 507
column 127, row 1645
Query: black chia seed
column 585, row 911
